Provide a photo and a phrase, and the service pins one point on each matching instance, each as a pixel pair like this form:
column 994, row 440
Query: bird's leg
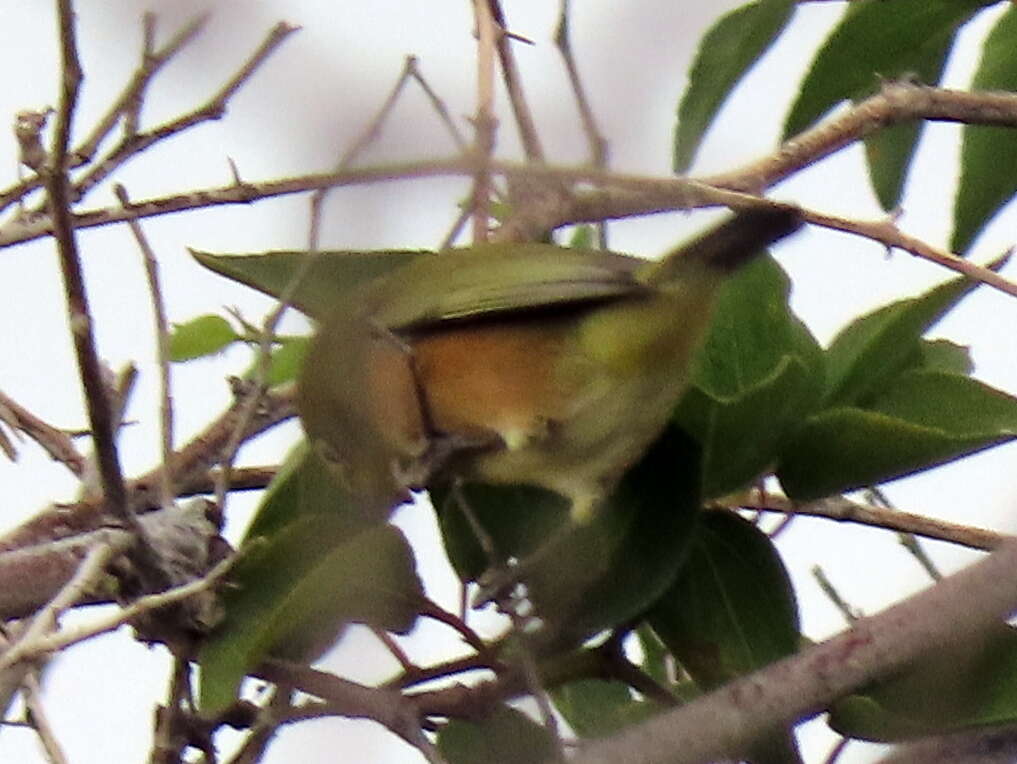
column 500, row 583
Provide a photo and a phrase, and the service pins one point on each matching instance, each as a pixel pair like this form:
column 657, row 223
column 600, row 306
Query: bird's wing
column 499, row 280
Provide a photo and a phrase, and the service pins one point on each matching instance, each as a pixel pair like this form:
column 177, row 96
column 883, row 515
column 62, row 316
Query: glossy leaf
column 973, row 683
column 285, row 361
column 304, row 486
column 924, row 418
column 655, row 654
column 585, row 578
column 202, row 336
column 888, row 155
column 758, row 376
column 944, row 355
column 332, row 275
column 988, row 154
column 505, row 737
column 867, row 354
column 294, row 595
column 877, row 41
column 727, row 51
column 732, row 608
column 598, row 707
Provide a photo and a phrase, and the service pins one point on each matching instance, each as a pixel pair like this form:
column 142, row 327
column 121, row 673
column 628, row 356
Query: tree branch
column 724, row 723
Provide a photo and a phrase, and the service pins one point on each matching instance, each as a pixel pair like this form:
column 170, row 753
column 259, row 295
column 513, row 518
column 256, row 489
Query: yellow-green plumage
column 516, row 363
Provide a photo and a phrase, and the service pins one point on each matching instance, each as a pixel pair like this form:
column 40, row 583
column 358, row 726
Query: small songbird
column 516, row 363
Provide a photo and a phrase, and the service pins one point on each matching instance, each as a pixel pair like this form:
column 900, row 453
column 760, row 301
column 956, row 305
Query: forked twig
column 162, row 350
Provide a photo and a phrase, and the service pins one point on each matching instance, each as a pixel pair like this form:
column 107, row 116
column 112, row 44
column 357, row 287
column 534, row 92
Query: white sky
column 306, row 104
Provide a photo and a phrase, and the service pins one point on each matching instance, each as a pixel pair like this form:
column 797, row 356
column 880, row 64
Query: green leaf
column 655, row 655
column 332, row 275
column 732, row 608
column 973, row 683
column 726, row 52
column 876, row 41
column 758, row 376
column 202, row 336
column 505, row 737
column 924, row 418
column 292, row 596
column 598, row 707
column 888, row 155
column 879, row 41
column 583, row 237
column 303, row 487
column 944, row 355
column 285, row 361
column 582, row 579
column 988, row 154
column 867, row 354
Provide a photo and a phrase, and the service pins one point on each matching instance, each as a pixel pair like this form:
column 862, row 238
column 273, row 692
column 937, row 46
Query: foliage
column 670, row 590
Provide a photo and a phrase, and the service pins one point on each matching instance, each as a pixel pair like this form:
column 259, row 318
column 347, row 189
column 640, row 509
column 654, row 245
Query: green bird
column 516, row 363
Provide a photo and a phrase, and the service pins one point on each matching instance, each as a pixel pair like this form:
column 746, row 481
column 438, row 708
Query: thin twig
column 837, row 750
column 886, row 232
column 439, row 106
column 907, row 540
column 620, row 196
column 394, row 649
column 133, row 144
column 189, row 465
column 36, row 713
column 594, row 138
column 850, row 614
column 162, row 348
column 270, row 717
column 54, row 442
column 388, row 707
column 528, row 134
column 100, row 413
column 128, row 103
column 252, row 401
column 40, row 645
column 90, row 569
column 372, row 131
column 484, row 122
column 842, row 509
column 167, row 745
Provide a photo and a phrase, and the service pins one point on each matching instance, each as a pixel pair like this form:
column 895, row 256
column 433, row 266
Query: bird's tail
column 729, row 245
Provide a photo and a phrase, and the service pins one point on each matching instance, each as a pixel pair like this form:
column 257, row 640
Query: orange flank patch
column 501, row 378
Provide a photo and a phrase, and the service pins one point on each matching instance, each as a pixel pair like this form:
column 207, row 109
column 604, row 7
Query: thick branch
column 726, row 722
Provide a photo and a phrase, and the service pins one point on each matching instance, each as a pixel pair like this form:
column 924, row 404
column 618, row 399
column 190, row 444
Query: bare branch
column 128, row 103
column 725, row 722
column 54, row 442
column 91, row 568
column 36, row 712
column 189, row 466
column 842, row 509
column 35, row 645
column 484, row 121
column 100, row 413
column 133, row 144
column 513, row 85
column 162, row 348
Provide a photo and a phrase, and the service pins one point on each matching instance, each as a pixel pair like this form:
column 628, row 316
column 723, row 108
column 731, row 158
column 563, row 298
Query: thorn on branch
column 28, row 127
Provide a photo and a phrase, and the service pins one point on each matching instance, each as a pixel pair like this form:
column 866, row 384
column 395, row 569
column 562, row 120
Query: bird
column 516, row 363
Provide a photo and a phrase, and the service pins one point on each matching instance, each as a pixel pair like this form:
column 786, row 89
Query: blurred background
column 301, row 110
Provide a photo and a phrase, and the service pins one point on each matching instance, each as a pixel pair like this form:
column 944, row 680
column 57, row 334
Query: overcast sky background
column 298, row 113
